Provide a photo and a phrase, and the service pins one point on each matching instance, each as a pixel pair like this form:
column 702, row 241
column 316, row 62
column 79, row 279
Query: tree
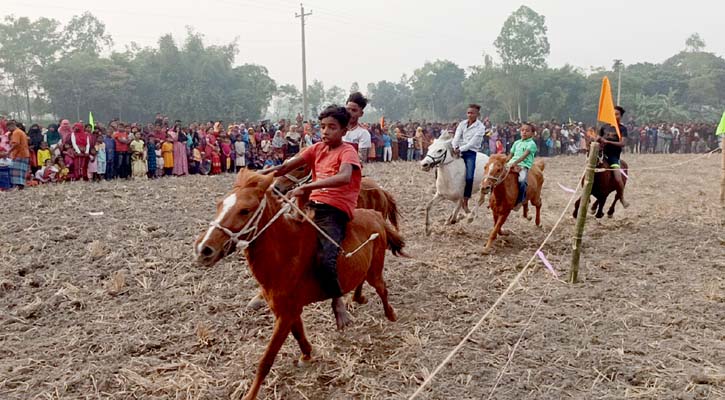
column 85, row 33
column 523, row 46
column 316, row 97
column 438, row 90
column 392, row 99
column 287, row 102
column 335, row 95
column 522, row 41
column 355, row 87
column 695, row 43
column 27, row 47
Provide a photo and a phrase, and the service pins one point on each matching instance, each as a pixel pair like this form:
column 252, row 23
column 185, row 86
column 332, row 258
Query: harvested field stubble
column 112, row 305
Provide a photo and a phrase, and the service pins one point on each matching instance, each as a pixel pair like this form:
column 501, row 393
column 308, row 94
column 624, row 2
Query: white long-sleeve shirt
column 469, row 137
column 75, row 146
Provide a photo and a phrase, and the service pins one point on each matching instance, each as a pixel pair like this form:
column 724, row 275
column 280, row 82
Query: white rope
column 372, row 237
column 496, row 303
column 657, row 167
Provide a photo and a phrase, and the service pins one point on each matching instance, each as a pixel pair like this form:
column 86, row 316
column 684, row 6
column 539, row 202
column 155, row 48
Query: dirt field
column 112, row 305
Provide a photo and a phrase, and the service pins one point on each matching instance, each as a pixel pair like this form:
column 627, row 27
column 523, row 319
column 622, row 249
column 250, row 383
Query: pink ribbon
column 547, row 263
column 566, row 189
column 624, row 173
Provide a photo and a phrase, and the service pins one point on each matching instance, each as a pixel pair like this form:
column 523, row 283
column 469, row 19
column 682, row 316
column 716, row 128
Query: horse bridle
column 497, row 179
column 299, row 181
column 250, row 228
column 437, row 161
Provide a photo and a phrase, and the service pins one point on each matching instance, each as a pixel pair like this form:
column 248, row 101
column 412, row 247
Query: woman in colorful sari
column 181, row 161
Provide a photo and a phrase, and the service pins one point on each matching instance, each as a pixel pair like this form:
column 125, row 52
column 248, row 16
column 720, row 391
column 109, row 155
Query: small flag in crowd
column 90, row 121
column 606, row 107
column 721, row 128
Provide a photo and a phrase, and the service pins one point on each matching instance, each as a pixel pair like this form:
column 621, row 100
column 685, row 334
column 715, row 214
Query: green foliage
column 522, row 41
column 393, row 100
column 438, row 89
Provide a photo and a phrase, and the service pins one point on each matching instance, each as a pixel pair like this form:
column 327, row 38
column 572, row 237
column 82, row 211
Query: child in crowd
column 226, row 154
column 92, row 162
column 44, row 153
column 63, row 170
column 205, row 166
column 68, row 156
column 47, row 173
column 159, row 160
column 138, row 158
column 195, row 160
column 100, row 158
column 216, row 162
column 151, row 157
column 167, row 152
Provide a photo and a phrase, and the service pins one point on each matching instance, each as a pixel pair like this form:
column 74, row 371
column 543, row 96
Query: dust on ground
column 112, row 305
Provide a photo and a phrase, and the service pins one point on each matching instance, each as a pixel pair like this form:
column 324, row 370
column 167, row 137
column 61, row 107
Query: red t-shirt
column 326, row 162
column 121, row 147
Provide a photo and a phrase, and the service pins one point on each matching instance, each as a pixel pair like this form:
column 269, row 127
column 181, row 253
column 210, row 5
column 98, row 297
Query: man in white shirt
column 466, row 142
column 356, row 135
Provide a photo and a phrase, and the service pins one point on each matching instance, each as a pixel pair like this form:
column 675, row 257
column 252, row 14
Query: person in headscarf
column 52, row 137
column 82, row 146
column 65, row 131
column 35, row 136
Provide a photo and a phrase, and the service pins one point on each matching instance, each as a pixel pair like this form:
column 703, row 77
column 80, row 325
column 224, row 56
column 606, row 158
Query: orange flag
column 606, row 107
column 382, row 122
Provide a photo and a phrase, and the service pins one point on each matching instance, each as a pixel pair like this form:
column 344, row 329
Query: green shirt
column 519, row 148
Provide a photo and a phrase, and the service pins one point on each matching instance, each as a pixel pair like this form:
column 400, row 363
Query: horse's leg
column 282, row 327
column 427, row 212
column 499, row 223
column 600, row 207
column 538, row 210
column 576, row 207
column 526, row 210
column 298, row 331
column 454, row 216
column 595, row 205
column 610, row 212
column 358, row 297
column 378, row 283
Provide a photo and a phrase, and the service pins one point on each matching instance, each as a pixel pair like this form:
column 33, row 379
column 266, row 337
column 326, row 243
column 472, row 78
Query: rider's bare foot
column 342, row 316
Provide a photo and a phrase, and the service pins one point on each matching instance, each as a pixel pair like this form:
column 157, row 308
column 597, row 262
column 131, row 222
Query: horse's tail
column 395, row 240
column 392, row 210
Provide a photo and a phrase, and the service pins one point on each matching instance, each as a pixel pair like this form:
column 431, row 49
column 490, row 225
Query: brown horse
column 604, row 184
column 504, row 185
column 371, row 196
column 247, row 216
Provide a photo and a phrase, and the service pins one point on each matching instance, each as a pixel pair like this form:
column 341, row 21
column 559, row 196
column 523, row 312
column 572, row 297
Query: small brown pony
column 604, row 184
column 371, row 196
column 504, row 185
column 287, row 272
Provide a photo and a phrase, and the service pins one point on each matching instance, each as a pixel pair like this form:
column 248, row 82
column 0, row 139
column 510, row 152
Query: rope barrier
column 497, row 302
column 658, row 167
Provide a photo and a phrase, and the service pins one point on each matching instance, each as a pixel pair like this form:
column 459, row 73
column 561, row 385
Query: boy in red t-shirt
column 333, row 192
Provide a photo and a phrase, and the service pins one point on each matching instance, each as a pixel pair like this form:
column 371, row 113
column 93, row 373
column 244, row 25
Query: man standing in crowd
column 466, row 141
column 19, row 153
column 356, row 135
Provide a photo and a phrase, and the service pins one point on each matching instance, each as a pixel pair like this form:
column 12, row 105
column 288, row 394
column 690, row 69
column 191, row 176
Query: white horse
column 451, row 176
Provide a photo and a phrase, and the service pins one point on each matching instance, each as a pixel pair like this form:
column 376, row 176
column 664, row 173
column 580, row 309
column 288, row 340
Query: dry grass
column 112, row 306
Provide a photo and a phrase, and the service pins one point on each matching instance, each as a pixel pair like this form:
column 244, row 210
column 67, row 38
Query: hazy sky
column 371, row 40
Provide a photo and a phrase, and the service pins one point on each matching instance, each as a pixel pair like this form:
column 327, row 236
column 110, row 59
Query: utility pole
column 302, row 16
column 618, row 64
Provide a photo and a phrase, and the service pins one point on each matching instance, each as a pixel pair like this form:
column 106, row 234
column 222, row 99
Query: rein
column 437, row 161
column 497, row 179
column 251, row 228
column 299, row 181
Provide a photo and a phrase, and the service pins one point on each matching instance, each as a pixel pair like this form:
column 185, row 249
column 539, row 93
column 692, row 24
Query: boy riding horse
column 522, row 156
column 612, row 145
column 333, row 193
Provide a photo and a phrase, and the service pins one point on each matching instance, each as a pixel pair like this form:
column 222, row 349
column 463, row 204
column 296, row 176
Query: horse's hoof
column 486, row 251
column 360, row 300
column 390, row 315
column 609, row 215
column 598, row 216
column 504, row 233
column 528, row 218
column 304, row 362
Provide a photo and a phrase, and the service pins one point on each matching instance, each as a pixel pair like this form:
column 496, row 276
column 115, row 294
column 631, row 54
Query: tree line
column 66, row 70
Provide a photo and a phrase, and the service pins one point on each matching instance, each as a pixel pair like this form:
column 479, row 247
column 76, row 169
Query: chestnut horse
column 371, row 196
column 604, row 184
column 504, row 185
column 250, row 215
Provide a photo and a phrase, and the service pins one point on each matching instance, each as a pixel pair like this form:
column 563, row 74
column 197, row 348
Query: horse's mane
column 498, row 157
column 445, row 136
column 248, row 179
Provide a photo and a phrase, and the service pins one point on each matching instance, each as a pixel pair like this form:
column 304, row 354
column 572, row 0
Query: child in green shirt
column 522, row 155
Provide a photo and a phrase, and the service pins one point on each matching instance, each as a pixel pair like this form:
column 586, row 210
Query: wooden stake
column 722, row 173
column 583, row 211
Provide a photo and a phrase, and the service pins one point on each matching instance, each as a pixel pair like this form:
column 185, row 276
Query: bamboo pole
column 583, row 211
column 722, row 173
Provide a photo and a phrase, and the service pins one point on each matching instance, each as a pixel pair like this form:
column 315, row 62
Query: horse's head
column 438, row 152
column 295, row 178
column 237, row 216
column 494, row 172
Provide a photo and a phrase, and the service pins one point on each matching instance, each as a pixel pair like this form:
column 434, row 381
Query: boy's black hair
column 620, row 109
column 358, row 99
column 532, row 126
column 476, row 106
column 339, row 113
